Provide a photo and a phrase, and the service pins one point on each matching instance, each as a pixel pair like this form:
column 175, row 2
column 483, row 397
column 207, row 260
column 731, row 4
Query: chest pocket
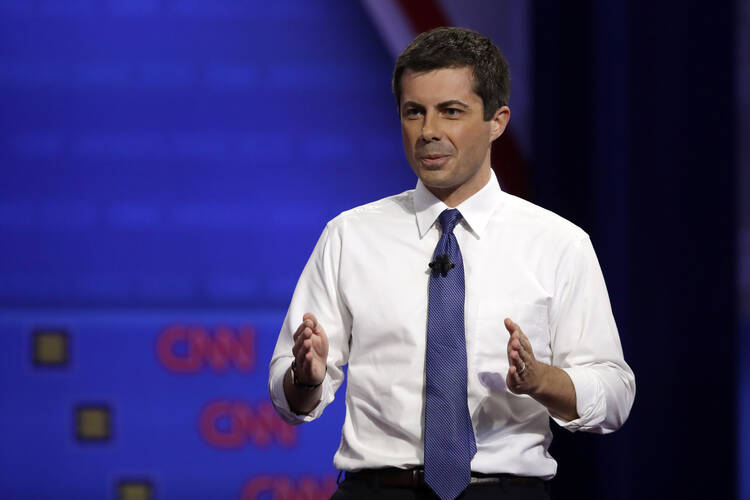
column 491, row 346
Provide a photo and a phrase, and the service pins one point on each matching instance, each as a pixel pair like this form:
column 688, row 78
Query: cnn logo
column 284, row 488
column 190, row 348
column 233, row 424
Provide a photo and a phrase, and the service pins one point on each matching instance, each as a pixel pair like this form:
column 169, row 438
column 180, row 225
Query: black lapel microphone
column 442, row 264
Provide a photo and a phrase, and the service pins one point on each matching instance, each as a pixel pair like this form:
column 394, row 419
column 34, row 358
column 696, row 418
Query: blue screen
column 167, row 167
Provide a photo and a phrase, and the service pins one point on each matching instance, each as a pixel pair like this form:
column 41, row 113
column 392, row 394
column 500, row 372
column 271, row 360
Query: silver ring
column 523, row 368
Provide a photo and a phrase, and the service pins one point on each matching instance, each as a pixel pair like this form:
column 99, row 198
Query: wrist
column 303, row 385
column 542, row 383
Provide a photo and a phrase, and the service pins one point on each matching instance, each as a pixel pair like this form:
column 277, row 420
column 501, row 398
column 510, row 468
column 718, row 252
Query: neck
column 454, row 196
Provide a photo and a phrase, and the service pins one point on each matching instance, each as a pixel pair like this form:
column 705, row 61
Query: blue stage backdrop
column 167, row 167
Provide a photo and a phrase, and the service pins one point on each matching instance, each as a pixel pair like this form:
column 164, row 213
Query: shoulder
column 537, row 222
column 383, row 211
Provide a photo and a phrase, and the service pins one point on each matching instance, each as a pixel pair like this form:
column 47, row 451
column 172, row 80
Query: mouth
column 433, row 160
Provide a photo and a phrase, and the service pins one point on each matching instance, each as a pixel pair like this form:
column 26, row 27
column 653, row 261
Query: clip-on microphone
column 442, row 264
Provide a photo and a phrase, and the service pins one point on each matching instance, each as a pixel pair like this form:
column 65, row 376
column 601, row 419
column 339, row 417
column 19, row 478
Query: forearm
column 301, row 401
column 557, row 392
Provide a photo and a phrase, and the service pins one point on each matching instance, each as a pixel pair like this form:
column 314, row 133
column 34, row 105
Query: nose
column 430, row 128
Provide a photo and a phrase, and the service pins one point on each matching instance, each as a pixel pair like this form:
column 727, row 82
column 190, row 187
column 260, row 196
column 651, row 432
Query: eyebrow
column 453, row 102
column 413, row 104
column 444, row 104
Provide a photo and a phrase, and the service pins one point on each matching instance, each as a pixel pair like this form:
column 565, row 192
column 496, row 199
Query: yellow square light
column 50, row 347
column 93, row 423
column 134, row 490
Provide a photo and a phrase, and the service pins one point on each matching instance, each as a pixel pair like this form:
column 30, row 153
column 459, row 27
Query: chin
column 434, row 179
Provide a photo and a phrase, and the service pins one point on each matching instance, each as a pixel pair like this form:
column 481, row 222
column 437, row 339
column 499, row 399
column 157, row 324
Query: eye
column 453, row 112
column 412, row 113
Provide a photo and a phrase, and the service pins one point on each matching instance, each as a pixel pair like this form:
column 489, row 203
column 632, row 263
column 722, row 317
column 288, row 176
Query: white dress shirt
column 367, row 283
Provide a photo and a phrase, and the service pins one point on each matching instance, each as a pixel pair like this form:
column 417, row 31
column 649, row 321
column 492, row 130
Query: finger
column 311, row 321
column 519, row 365
column 299, row 357
column 515, row 341
column 510, row 381
column 527, row 349
column 514, row 335
column 523, row 342
column 513, row 349
column 513, row 378
column 318, row 329
column 525, row 356
column 516, row 362
column 306, row 323
column 312, row 367
column 515, row 356
column 514, row 344
column 321, row 341
column 298, row 331
column 523, row 338
column 517, row 344
column 310, row 316
column 313, row 348
column 299, row 344
column 297, row 348
column 306, row 362
column 513, row 327
column 318, row 345
column 305, row 333
column 309, row 358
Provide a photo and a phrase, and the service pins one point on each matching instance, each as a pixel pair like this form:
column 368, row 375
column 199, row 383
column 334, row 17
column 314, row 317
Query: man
column 467, row 317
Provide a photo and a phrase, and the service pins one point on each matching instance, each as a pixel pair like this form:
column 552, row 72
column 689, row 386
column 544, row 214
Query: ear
column 498, row 122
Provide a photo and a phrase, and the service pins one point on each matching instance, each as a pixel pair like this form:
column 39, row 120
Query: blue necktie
column 449, row 443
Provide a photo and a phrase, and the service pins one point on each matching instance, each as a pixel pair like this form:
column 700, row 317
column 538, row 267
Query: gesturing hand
column 310, row 351
column 525, row 374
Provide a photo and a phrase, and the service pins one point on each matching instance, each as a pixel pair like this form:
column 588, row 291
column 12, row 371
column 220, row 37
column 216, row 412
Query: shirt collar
column 476, row 210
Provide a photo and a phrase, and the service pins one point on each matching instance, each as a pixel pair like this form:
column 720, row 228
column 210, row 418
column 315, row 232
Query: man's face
column 446, row 140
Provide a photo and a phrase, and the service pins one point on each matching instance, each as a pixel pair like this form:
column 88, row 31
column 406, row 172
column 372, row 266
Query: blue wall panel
column 172, row 162
column 184, row 152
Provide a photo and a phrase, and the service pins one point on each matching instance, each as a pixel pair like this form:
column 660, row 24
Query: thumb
column 510, row 325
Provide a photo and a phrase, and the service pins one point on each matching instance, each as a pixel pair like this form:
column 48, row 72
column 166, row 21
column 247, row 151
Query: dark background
column 634, row 137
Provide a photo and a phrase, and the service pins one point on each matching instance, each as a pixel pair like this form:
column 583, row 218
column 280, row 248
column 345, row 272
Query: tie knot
column 448, row 219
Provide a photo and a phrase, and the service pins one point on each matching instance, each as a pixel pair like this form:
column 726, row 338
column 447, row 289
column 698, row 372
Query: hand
column 526, row 374
column 310, row 351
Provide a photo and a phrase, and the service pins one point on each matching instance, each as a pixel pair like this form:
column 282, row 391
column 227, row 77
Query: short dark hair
column 457, row 48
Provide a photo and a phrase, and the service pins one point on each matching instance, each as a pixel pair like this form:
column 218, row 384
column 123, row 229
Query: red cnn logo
column 233, row 424
column 189, row 348
column 283, row 488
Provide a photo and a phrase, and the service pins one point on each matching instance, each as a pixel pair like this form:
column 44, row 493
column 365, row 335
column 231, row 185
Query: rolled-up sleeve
column 316, row 292
column 586, row 343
